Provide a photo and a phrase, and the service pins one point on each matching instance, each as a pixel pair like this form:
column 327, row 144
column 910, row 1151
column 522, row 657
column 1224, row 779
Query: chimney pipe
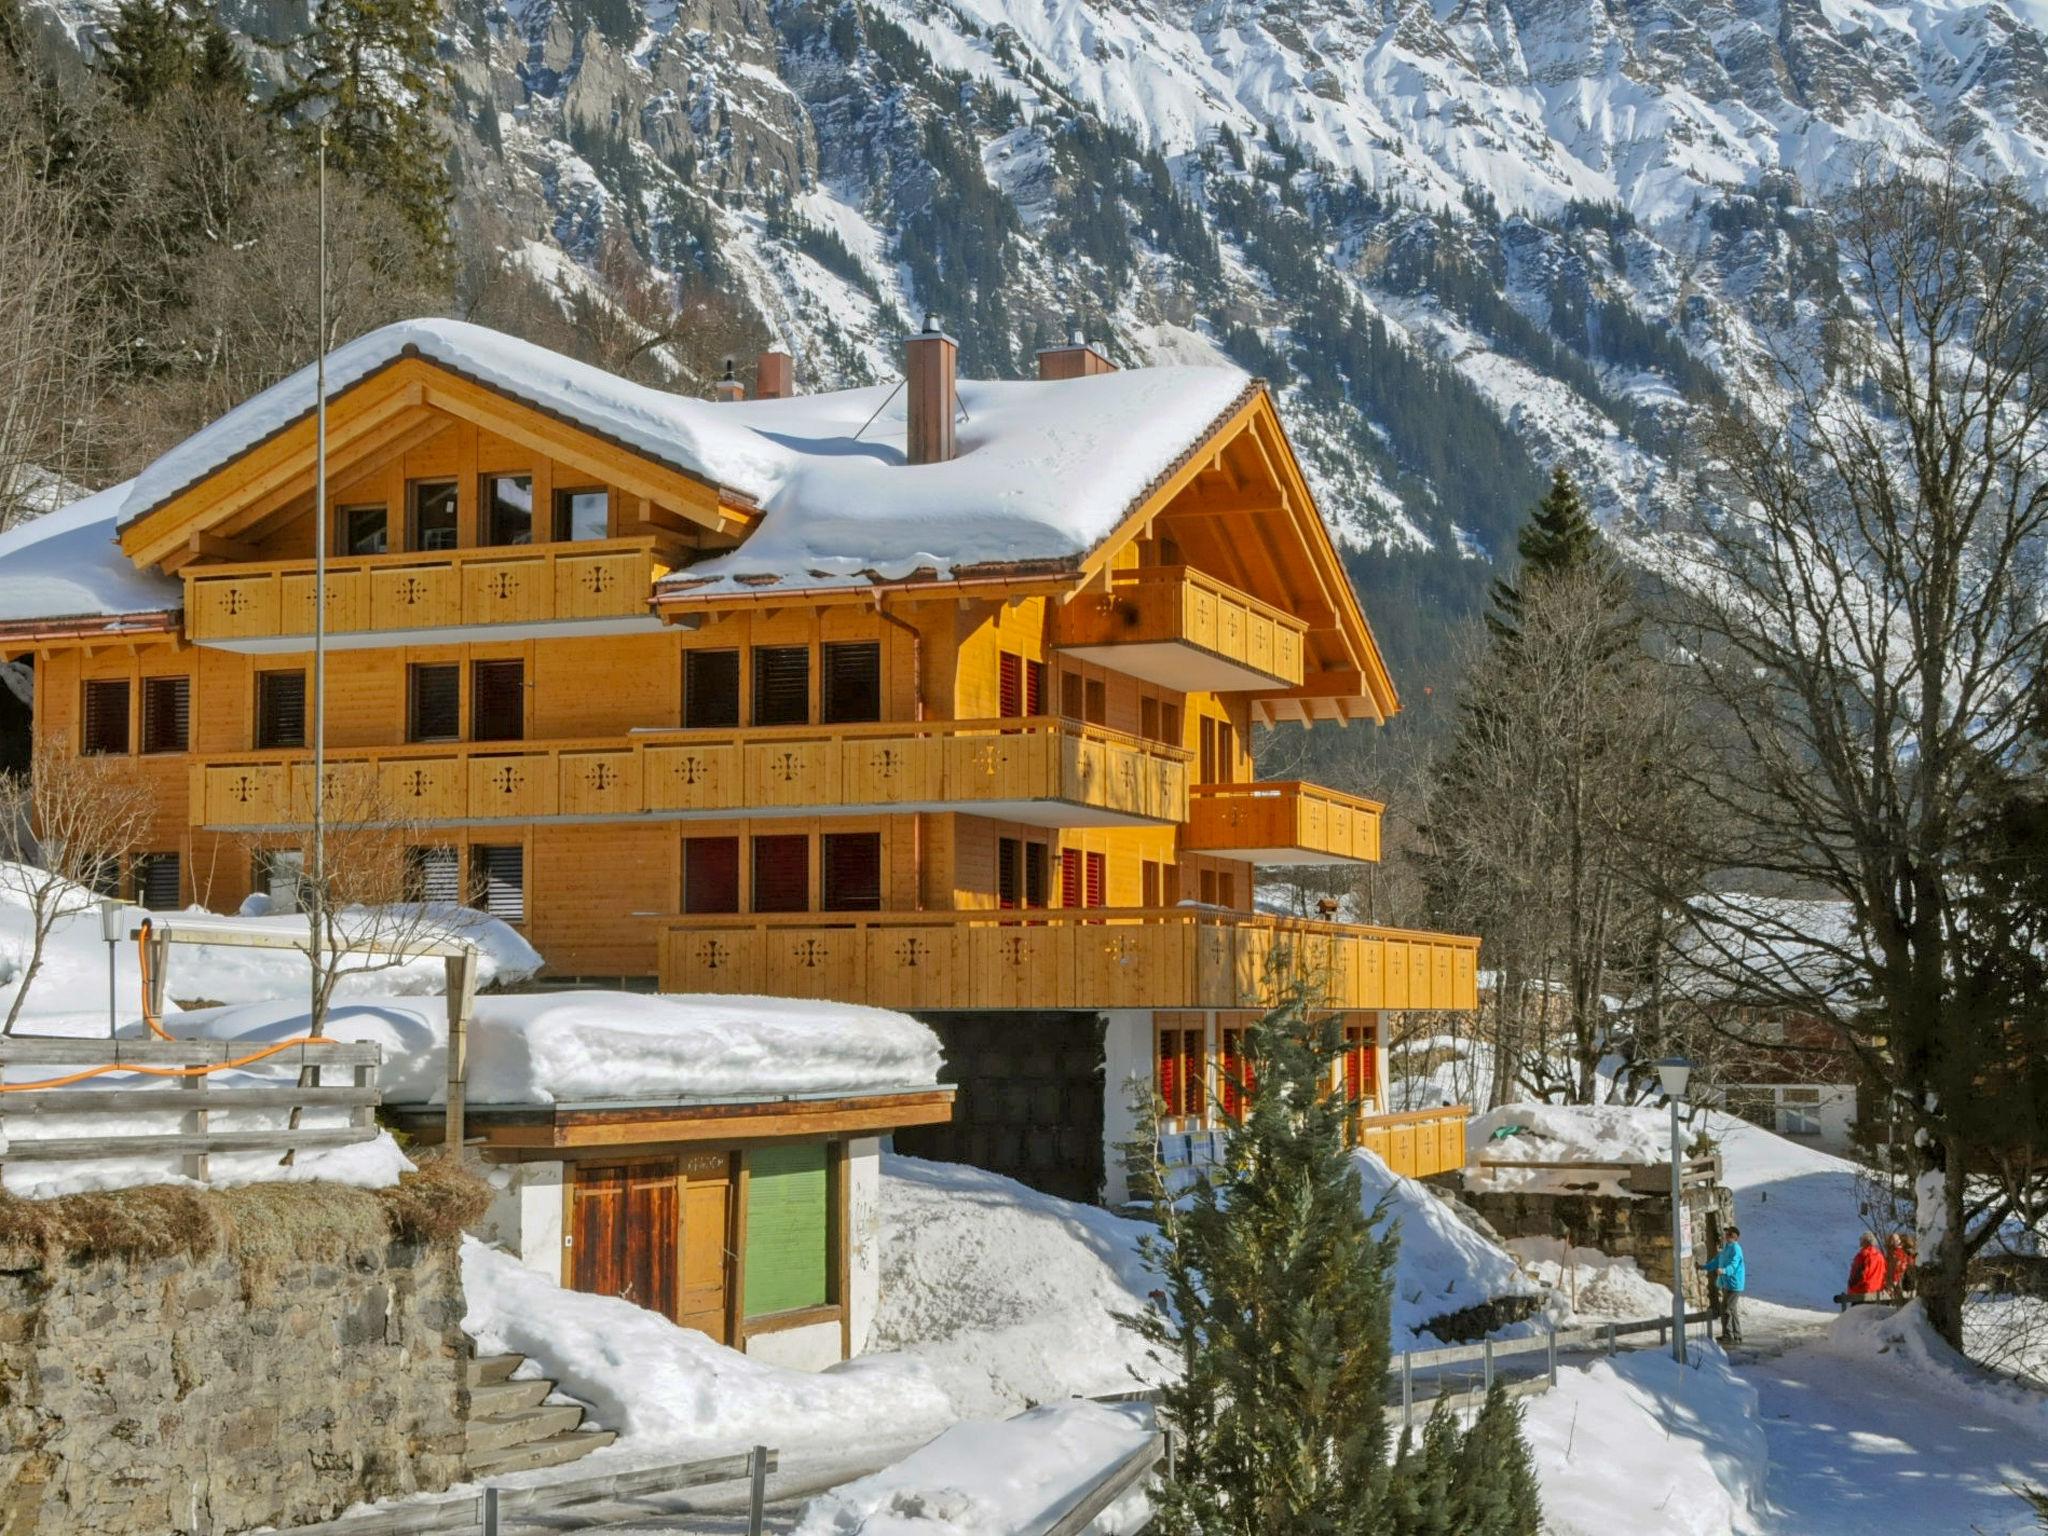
column 774, row 376
column 930, row 365
column 1076, row 360
column 728, row 388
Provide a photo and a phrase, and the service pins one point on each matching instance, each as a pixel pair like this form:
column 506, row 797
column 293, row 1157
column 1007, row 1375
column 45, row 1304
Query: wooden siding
column 1419, row 1144
column 1067, row 958
column 1178, row 605
column 1283, row 821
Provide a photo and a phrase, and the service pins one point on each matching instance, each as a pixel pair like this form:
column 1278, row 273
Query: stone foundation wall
column 1621, row 1226
column 192, row 1395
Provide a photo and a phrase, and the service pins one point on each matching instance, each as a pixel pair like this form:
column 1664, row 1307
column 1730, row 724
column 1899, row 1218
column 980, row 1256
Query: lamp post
column 1673, row 1073
column 111, row 913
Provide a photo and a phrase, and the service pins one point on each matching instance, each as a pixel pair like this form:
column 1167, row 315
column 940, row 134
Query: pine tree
column 148, row 52
column 374, row 66
column 1558, row 537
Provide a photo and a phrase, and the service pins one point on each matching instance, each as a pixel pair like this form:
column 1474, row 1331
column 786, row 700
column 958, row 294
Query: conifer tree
column 147, row 52
column 1558, row 537
column 373, row 65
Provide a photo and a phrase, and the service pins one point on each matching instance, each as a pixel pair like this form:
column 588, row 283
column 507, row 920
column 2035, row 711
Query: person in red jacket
column 1898, row 1265
column 1866, row 1272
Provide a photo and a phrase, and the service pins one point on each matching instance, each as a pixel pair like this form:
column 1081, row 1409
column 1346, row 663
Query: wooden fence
column 196, row 1098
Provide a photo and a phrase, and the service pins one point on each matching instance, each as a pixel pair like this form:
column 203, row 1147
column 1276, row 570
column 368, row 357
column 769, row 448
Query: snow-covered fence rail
column 1155, row 1455
column 123, row 1114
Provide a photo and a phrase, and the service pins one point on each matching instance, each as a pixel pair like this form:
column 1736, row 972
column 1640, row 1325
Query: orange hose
column 157, row 1029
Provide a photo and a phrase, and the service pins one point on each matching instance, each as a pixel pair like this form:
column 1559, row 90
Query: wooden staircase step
column 484, row 1369
column 551, row 1452
column 494, row 1398
column 521, row 1426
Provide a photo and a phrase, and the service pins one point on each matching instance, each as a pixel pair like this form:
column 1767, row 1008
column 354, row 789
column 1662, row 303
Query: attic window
column 434, row 508
column 365, row 530
column 582, row 515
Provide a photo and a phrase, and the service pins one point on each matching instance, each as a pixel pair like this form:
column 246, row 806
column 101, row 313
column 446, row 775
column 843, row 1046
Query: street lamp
column 1673, row 1073
column 112, row 911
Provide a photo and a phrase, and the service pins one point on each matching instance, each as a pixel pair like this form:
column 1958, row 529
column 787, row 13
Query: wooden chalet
column 936, row 696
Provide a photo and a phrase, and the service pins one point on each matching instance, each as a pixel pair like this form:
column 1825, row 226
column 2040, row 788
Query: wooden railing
column 1011, row 766
column 1284, row 821
column 1419, row 1143
column 442, row 589
column 1174, row 957
column 1176, row 604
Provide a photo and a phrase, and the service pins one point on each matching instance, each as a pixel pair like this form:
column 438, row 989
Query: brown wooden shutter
column 711, row 690
column 711, row 874
column 782, row 685
column 166, row 714
column 1070, row 877
column 782, row 870
column 852, row 681
column 1009, row 872
column 280, row 709
column 852, row 873
column 497, row 704
column 434, row 703
column 1098, row 878
column 106, row 717
column 1034, row 687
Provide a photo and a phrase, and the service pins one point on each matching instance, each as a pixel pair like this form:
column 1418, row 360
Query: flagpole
column 320, row 538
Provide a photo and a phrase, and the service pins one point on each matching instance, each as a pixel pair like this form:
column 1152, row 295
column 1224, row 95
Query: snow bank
column 1009, row 1296
column 1444, row 1265
column 1588, row 1285
column 564, row 1047
column 1644, row 1445
column 986, row 1479
column 1903, row 1343
column 670, row 1391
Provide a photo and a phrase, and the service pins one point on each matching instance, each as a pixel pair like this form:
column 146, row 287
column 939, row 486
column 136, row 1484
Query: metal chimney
column 728, row 388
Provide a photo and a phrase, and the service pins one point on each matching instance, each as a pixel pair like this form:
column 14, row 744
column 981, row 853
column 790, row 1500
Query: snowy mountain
column 1468, row 239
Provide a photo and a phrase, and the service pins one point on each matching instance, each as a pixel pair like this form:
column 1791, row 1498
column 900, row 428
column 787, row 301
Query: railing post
column 1552, row 1350
column 195, row 1124
column 1613, row 1340
column 1407, row 1391
column 490, row 1511
column 1168, row 1458
column 757, row 1497
column 1489, row 1364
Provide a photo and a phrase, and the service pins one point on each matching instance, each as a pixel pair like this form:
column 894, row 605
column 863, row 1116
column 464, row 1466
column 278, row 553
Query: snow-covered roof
column 67, row 565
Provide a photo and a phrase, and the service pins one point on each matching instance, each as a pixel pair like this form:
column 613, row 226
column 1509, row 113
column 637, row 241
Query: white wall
column 525, row 1217
column 863, row 1238
column 1126, row 1066
column 809, row 1348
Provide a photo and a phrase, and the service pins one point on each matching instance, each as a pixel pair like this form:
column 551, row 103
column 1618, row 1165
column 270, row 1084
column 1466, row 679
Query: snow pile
column 1557, row 1133
column 986, row 1479
column 670, row 1390
column 1644, row 1445
column 1904, row 1345
column 1009, row 1296
column 1444, row 1265
column 1590, row 1286
column 567, row 1047
column 66, row 564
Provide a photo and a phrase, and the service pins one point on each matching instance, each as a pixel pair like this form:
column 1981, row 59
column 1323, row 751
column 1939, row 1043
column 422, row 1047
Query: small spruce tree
column 1558, row 537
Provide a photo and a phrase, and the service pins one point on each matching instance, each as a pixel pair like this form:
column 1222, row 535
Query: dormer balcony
column 1183, row 629
column 593, row 587
column 1282, row 822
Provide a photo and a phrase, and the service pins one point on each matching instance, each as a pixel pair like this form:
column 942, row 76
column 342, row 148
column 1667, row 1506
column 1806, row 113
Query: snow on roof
column 67, row 565
column 614, row 1047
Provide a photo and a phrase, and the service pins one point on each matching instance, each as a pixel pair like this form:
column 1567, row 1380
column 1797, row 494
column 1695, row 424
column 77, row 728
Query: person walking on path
column 1866, row 1273
column 1732, row 1271
column 1898, row 1265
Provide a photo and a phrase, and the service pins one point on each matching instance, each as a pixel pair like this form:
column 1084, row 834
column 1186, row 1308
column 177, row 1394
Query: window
column 1236, row 1079
column 851, row 872
column 1071, row 695
column 1070, row 877
column 508, row 509
column 497, row 700
column 280, row 709
column 1083, row 878
column 583, row 515
column 434, row 512
column 782, row 685
column 1361, row 1065
column 1218, row 751
column 364, row 530
column 166, row 714
column 788, row 1225
column 1020, row 685
column 1098, row 702
column 1096, row 890
column 782, row 873
column 711, row 690
column 1181, row 1077
column 280, row 874
column 850, row 679
column 711, row 874
column 158, row 881
column 497, row 875
column 1037, row 874
column 1148, row 718
column 1169, row 724
column 1798, row 1111
column 106, row 717
column 433, row 702
column 435, row 874
column 1009, row 872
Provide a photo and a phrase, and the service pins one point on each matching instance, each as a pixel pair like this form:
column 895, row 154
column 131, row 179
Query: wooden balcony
column 1048, row 772
column 1183, row 629
column 599, row 587
column 1174, row 957
column 1417, row 1144
column 1283, row 822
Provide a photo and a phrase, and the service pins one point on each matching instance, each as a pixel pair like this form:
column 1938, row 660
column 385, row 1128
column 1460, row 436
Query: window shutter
column 280, row 709
column 157, row 881
column 1009, row 858
column 1098, row 701
column 852, row 676
column 1070, row 695
column 1037, row 874
column 782, row 685
column 497, row 700
column 1034, row 687
column 1070, row 877
column 711, row 690
column 1194, row 1074
column 782, row 867
column 1169, row 1071
column 500, row 879
column 106, row 717
column 1234, row 1087
column 436, row 703
column 711, row 874
column 852, row 874
column 166, row 714
column 437, row 874
column 1009, row 684
column 1098, row 879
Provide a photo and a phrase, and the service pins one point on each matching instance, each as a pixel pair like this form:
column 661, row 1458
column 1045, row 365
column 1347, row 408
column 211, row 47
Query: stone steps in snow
column 495, row 1398
column 480, row 1370
column 551, row 1452
column 521, row 1426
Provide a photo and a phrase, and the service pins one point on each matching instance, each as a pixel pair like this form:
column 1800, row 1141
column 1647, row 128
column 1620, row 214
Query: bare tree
column 1864, row 619
column 65, row 826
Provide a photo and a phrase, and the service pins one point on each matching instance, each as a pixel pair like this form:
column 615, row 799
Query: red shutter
column 782, row 866
column 1193, row 1071
column 1169, row 1071
column 497, row 704
column 852, row 872
column 1009, row 858
column 1009, row 684
column 1070, row 877
column 1034, row 687
column 1098, row 879
column 711, row 874
column 1232, row 1074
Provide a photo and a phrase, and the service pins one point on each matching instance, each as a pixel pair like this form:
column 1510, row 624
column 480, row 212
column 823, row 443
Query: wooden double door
column 658, row 1232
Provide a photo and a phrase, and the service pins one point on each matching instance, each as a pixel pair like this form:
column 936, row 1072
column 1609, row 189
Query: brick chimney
column 774, row 377
column 728, row 388
column 930, row 365
column 1076, row 360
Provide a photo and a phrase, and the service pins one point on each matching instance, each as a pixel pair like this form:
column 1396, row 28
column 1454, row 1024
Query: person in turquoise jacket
column 1729, row 1267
